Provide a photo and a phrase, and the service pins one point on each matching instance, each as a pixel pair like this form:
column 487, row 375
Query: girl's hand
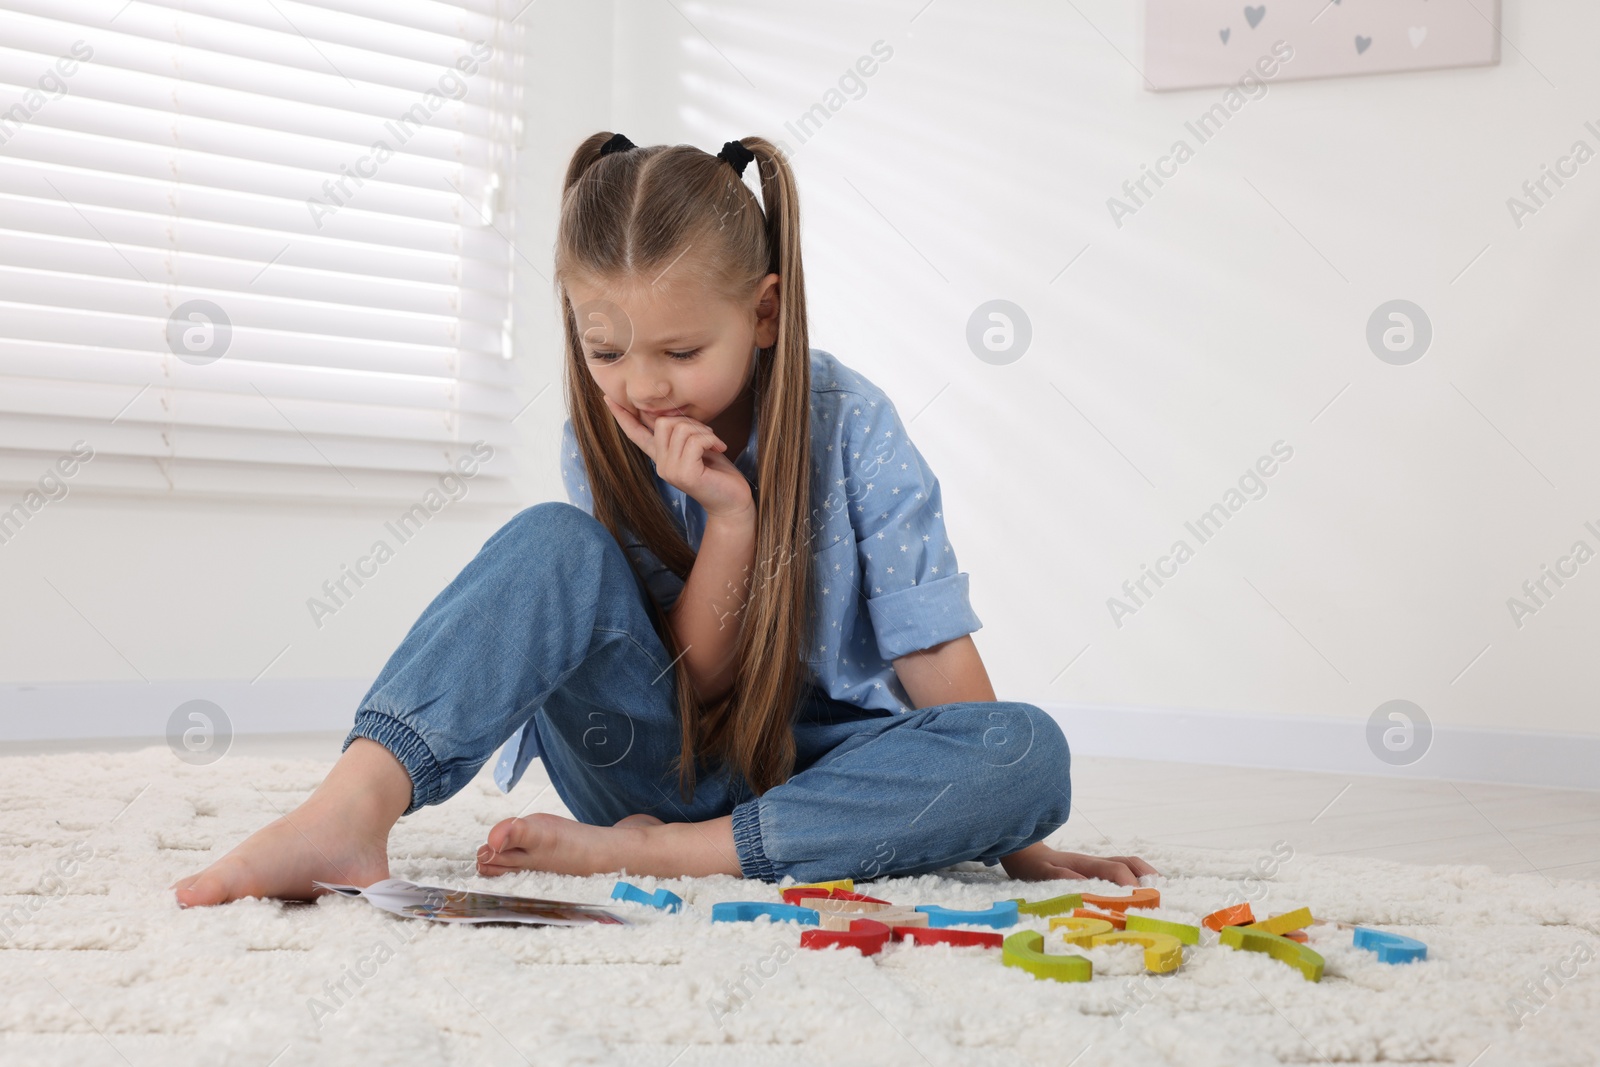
column 688, row 456
column 1039, row 863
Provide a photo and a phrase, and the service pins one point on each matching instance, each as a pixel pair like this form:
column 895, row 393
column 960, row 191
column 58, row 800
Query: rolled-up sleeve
column 917, row 596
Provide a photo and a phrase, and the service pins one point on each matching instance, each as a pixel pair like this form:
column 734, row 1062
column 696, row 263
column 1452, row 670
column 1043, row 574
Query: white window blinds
column 257, row 247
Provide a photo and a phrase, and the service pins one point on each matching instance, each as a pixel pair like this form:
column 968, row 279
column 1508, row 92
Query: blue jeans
column 548, row 623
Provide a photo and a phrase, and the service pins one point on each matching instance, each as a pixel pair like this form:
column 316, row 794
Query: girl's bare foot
column 340, row 834
column 640, row 844
column 282, row 858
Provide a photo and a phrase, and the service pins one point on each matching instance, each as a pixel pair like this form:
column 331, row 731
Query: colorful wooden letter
column 1053, row 906
column 661, row 898
column 803, row 895
column 1391, row 948
column 1025, row 949
column 923, row 935
column 847, row 884
column 1139, row 898
column 865, row 934
column 1186, row 934
column 1306, row 961
column 1162, row 952
column 890, row 917
column 1076, row 930
column 743, row 911
column 1003, row 913
column 1115, row 918
column 1298, row 919
column 1238, row 915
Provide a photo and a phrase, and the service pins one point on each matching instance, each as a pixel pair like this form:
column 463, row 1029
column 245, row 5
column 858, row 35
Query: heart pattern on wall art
column 1189, row 43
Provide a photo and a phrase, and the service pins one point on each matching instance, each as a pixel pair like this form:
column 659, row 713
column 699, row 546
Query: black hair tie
column 619, row 143
column 733, row 153
column 736, row 155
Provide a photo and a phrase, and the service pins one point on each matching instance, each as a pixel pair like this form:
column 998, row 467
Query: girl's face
column 657, row 351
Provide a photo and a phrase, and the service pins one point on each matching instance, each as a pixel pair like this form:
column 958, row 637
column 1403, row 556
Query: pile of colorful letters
column 849, row 919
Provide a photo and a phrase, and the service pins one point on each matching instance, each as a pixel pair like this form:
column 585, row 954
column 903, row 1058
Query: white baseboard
column 1334, row 746
column 51, row 711
column 72, row 710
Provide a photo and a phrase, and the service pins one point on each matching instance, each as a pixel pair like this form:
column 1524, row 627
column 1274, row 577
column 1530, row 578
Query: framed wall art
column 1193, row 43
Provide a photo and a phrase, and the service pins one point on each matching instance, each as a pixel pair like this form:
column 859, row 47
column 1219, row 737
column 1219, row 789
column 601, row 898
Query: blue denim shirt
column 886, row 579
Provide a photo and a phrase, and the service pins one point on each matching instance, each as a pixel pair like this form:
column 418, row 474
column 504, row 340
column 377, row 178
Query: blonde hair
column 626, row 217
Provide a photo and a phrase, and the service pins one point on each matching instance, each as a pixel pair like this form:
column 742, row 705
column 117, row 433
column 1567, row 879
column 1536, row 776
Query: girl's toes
column 501, row 857
column 531, row 833
column 204, row 889
column 500, row 834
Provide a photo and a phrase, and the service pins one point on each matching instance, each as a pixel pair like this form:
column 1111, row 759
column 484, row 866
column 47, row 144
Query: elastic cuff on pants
column 753, row 860
column 427, row 780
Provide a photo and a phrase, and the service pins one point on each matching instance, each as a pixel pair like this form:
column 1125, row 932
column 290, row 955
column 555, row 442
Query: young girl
column 744, row 648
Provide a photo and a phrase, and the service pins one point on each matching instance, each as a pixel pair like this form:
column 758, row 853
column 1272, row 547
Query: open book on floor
column 465, row 906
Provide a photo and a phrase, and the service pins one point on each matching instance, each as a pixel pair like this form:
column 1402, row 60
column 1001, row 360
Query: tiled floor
column 1508, row 828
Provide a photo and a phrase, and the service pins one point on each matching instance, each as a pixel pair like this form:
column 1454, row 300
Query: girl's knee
column 1029, row 761
column 1023, row 736
column 1052, row 739
column 1053, row 770
column 547, row 523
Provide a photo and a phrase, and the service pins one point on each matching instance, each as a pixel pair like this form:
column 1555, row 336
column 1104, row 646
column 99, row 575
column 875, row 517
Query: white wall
column 1220, row 318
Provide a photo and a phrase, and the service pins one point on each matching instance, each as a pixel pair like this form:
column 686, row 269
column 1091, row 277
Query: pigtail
column 780, row 608
column 586, row 155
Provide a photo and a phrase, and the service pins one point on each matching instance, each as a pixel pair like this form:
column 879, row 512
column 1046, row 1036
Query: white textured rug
column 99, row 965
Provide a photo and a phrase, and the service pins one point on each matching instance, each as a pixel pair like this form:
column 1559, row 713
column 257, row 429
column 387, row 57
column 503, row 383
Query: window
column 257, row 248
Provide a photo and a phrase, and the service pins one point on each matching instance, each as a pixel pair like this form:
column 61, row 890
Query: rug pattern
column 101, row 967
